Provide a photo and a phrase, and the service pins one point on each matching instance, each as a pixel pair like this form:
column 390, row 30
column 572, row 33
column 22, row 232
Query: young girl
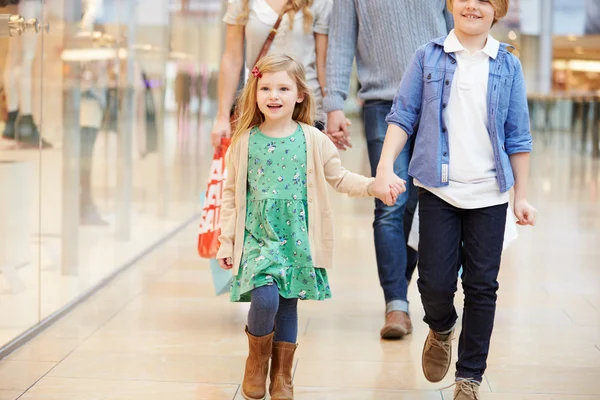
column 302, row 33
column 468, row 93
column 276, row 221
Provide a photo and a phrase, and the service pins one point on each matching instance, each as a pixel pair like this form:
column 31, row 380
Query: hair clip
column 256, row 72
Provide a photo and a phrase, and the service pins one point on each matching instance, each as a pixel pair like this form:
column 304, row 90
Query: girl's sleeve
column 323, row 13
column 338, row 177
column 407, row 102
column 234, row 9
column 228, row 210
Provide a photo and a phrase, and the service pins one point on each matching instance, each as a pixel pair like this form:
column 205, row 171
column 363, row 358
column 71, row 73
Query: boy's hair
column 500, row 8
column 249, row 114
column 295, row 6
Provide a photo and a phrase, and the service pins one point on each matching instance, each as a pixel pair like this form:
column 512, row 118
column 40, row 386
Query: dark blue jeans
column 388, row 225
column 268, row 311
column 448, row 238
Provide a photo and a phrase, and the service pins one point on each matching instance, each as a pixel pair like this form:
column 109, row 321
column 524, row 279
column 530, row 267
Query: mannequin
column 18, row 82
column 92, row 113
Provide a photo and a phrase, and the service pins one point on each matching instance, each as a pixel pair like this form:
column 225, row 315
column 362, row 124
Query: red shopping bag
column 210, row 221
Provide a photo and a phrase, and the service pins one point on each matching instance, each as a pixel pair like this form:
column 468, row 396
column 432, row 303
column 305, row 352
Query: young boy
column 467, row 92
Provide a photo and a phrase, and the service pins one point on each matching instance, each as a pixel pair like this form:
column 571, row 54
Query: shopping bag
column 210, row 220
column 222, row 278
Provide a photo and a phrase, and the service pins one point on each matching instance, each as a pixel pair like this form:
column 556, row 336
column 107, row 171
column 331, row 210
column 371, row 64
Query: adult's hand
column 337, row 129
column 221, row 129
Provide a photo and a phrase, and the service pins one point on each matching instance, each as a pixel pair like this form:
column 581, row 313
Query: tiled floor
column 158, row 332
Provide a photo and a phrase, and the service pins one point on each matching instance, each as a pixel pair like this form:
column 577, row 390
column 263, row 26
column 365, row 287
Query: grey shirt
column 383, row 36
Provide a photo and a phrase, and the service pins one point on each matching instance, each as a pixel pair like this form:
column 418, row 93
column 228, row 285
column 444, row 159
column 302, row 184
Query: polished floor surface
column 159, row 332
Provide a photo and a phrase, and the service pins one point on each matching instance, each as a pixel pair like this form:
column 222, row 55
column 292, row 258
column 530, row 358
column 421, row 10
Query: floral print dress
column 276, row 246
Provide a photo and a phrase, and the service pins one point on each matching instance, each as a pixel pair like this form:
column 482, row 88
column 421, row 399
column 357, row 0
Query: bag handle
column 267, row 44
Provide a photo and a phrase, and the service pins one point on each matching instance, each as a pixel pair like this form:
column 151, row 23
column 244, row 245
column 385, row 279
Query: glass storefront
column 106, row 113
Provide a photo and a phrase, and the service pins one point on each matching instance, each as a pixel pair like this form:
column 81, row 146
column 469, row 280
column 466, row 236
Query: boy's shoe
column 397, row 325
column 466, row 390
column 437, row 354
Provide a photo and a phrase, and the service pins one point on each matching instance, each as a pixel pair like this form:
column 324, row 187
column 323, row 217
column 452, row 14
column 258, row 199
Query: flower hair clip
column 256, row 72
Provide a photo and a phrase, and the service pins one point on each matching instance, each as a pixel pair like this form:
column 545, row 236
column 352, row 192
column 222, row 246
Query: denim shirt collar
column 502, row 47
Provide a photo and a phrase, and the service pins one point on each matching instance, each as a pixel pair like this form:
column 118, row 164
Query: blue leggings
column 268, row 311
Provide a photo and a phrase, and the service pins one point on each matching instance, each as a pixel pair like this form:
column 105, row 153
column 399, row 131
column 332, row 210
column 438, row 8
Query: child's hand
column 385, row 186
column 226, row 263
column 526, row 214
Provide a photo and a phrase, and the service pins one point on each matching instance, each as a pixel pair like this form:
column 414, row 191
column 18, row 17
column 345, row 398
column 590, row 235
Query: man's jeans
column 448, row 238
column 388, row 226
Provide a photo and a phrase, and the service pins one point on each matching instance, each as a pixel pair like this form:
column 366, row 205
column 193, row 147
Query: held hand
column 387, row 187
column 337, row 129
column 526, row 214
column 221, row 129
column 226, row 263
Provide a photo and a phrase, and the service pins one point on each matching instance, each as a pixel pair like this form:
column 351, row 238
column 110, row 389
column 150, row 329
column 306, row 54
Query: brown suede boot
column 281, row 387
column 466, row 390
column 254, row 386
column 437, row 354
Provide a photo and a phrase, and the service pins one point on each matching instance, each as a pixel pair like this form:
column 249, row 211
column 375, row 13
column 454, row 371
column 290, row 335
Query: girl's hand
column 526, row 214
column 226, row 263
column 222, row 129
column 385, row 185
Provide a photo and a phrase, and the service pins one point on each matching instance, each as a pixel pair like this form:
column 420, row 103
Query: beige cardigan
column 323, row 166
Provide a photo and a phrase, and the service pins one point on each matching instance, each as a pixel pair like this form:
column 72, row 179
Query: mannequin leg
column 12, row 76
column 88, row 212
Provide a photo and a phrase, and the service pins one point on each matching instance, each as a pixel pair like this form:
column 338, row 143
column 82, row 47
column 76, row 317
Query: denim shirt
column 424, row 93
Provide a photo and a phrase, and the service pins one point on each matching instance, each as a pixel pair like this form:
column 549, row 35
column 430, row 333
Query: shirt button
column 445, row 154
column 310, row 200
column 447, row 82
column 310, row 185
column 443, row 130
column 429, row 76
column 444, row 105
column 453, row 61
column 310, row 170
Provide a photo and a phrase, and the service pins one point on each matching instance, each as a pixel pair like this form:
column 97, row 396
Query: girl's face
column 473, row 17
column 277, row 95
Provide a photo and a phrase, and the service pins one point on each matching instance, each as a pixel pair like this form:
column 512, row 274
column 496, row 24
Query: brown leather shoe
column 437, row 354
column 254, row 386
column 466, row 390
column 397, row 325
column 281, row 387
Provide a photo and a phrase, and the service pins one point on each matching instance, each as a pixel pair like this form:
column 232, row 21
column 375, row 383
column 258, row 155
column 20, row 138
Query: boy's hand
column 526, row 214
column 226, row 263
column 386, row 186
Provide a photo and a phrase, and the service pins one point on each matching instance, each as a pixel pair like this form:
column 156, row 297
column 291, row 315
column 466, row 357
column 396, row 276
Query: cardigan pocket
column 326, row 225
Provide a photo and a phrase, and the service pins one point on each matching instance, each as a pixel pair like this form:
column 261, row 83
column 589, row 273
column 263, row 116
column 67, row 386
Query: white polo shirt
column 472, row 171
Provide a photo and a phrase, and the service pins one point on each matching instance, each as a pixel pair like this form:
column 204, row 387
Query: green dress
column 276, row 246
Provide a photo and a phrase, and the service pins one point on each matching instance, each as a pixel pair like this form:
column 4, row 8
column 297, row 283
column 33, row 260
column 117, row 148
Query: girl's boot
column 281, row 387
column 254, row 386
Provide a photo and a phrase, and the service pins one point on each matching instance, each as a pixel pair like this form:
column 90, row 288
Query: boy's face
column 473, row 17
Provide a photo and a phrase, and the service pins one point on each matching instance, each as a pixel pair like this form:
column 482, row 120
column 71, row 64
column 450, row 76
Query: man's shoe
column 397, row 325
column 437, row 354
column 466, row 390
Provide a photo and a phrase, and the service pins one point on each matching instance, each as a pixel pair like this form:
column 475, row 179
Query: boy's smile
column 473, row 17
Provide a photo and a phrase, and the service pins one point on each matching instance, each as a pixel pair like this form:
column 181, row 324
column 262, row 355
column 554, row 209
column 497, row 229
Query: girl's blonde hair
column 247, row 110
column 294, row 7
column 500, row 8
